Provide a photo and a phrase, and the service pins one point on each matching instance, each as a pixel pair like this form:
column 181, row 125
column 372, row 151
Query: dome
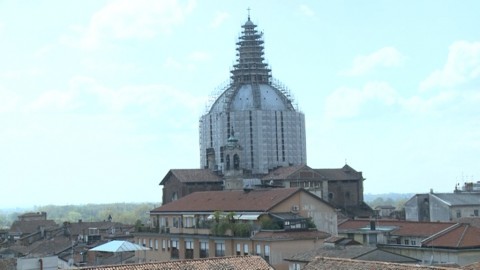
column 247, row 97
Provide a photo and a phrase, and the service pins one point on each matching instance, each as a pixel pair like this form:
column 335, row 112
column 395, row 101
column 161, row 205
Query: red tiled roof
column 233, row 263
column 473, row 266
column 403, row 228
column 326, row 263
column 31, row 226
column 290, row 235
column 462, row 236
column 192, row 175
column 285, row 172
column 344, row 173
column 229, row 200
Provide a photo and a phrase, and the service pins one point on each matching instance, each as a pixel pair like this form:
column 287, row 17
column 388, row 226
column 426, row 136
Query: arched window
column 227, row 159
column 236, row 162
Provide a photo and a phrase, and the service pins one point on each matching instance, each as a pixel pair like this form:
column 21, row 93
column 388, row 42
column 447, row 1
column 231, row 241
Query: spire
column 250, row 66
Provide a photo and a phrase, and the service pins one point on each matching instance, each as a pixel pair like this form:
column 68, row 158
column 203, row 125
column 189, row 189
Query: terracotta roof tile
column 473, row 266
column 400, row 227
column 192, row 175
column 27, row 227
column 344, row 173
column 229, row 200
column 231, row 263
column 325, row 263
column 462, row 236
column 284, row 172
column 290, row 235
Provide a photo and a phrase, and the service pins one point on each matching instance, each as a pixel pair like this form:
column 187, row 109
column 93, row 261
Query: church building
column 253, row 136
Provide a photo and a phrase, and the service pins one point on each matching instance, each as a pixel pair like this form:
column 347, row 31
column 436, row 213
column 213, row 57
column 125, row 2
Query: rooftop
column 231, row 263
column 326, row 263
column 398, row 227
column 230, row 200
column 192, row 175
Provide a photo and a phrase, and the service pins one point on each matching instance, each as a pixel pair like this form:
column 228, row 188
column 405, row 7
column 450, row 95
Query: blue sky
column 99, row 99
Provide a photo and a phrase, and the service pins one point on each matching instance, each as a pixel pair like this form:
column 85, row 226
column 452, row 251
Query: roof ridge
column 463, row 234
column 440, row 233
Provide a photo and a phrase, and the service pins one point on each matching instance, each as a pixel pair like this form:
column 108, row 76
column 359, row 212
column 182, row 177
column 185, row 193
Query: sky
column 99, row 99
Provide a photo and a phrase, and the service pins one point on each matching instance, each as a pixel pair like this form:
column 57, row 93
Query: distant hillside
column 127, row 213
column 394, row 196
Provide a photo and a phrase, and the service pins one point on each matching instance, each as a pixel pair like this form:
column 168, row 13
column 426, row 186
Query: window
column 188, row 249
column 475, row 212
column 259, row 250
column 174, row 196
column 164, row 244
column 239, row 249
column 150, row 243
column 203, row 249
column 350, row 235
column 219, row 249
column 175, row 222
column 294, row 266
column 144, row 242
column 93, row 231
column 267, row 253
column 156, row 244
column 245, row 249
column 189, row 222
column 459, row 214
column 406, row 242
column 413, row 242
column 174, row 254
column 372, row 239
column 140, row 241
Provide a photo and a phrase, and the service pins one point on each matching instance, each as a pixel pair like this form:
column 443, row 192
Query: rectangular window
column 267, row 253
column 150, row 243
column 203, row 249
column 259, row 250
column 406, row 242
column 475, row 212
column 140, row 241
column 144, row 242
column 189, row 222
column 156, row 244
column 459, row 214
column 245, row 249
column 219, row 249
column 175, row 222
column 239, row 249
column 164, row 244
column 188, row 249
column 413, row 242
column 294, row 266
column 174, row 254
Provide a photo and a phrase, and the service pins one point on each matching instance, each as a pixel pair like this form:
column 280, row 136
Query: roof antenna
column 248, row 10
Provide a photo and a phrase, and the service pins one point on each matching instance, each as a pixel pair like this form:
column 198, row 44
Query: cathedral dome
column 247, row 97
column 252, row 87
column 257, row 111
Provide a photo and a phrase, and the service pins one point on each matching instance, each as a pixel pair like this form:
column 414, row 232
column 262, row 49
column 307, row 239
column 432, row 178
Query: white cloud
column 463, row 64
column 385, row 57
column 307, row 11
column 420, row 105
column 347, row 102
column 220, row 17
column 130, row 19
